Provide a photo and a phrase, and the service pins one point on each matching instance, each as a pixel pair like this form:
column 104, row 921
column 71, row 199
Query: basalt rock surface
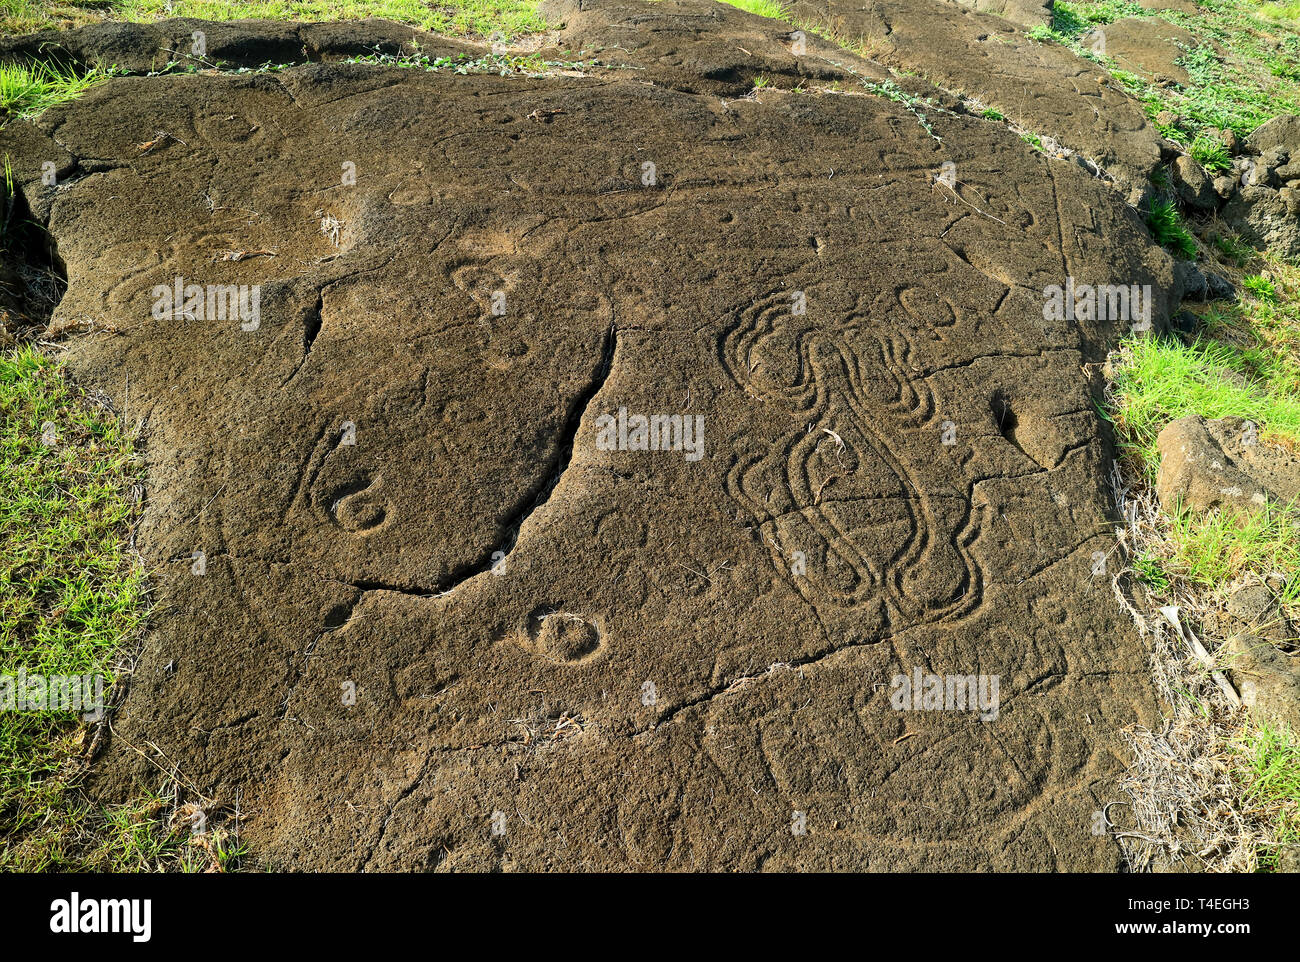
column 1222, row 464
column 419, row 606
column 1043, row 87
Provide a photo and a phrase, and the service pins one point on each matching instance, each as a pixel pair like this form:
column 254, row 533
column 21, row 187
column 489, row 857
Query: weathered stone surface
column 1025, row 13
column 639, row 659
column 1266, row 218
column 703, row 47
column 1043, row 87
column 1255, row 608
column 1221, row 463
column 145, row 47
column 1193, row 184
column 1218, row 287
column 1280, row 132
column 1181, row 6
column 1262, row 202
column 1149, row 47
column 1267, row 678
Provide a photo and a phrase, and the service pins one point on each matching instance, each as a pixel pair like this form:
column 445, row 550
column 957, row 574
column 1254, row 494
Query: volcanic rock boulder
column 1041, row 86
column 1267, row 677
column 1263, row 196
column 145, row 47
column 1026, row 13
column 573, row 473
column 1193, row 185
column 1222, row 464
column 1149, row 47
column 703, row 47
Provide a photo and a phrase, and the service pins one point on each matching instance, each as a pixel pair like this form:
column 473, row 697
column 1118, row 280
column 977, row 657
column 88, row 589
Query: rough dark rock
column 1279, row 133
column 145, row 47
column 1149, row 47
column 1266, row 218
column 1025, row 13
column 1041, row 86
column 1193, row 184
column 1255, row 608
column 1222, row 464
column 1193, row 283
column 1181, row 6
column 705, row 47
column 1267, row 678
column 432, row 596
column 1262, row 199
column 1219, row 288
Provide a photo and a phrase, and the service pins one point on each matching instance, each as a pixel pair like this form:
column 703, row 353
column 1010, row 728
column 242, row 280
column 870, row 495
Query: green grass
column 8, row 201
column 507, row 18
column 1243, row 69
column 1151, row 572
column 763, row 8
column 71, row 599
column 1280, row 12
column 1233, row 249
column 1159, row 380
column 28, row 90
column 1261, row 287
column 1267, row 767
column 1211, row 153
column 1262, row 328
column 1169, row 230
column 1212, row 549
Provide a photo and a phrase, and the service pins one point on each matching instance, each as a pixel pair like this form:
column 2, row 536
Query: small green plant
column 1151, row 573
column 492, row 63
column 1158, row 380
column 891, row 91
column 763, row 8
column 1261, row 287
column 8, row 202
column 1234, row 249
column 1211, row 153
column 1213, row 548
column 1267, row 767
column 991, row 114
column 1169, row 231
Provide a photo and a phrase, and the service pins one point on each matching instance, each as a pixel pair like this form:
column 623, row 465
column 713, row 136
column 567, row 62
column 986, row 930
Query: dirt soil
column 437, row 624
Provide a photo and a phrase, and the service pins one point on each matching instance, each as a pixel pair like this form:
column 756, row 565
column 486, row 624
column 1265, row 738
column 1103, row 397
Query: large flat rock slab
column 1043, row 87
column 151, row 47
column 424, row 604
column 1149, row 47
